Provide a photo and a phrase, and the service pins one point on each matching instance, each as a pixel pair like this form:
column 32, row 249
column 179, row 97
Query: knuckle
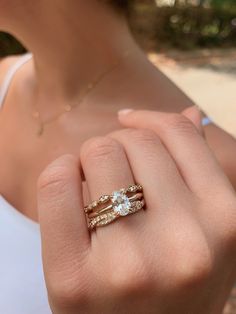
column 143, row 136
column 99, row 147
column 129, row 278
column 227, row 225
column 63, row 294
column 55, row 177
column 191, row 260
column 179, row 123
column 192, row 271
column 67, row 292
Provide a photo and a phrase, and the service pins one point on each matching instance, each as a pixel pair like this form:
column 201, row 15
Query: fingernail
column 125, row 111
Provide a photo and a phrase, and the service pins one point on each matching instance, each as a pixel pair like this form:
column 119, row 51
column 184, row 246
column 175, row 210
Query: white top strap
column 10, row 74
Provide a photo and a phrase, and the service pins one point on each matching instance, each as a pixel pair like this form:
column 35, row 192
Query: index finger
column 64, row 233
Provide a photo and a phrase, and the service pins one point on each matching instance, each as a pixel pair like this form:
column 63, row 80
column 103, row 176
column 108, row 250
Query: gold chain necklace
column 67, row 108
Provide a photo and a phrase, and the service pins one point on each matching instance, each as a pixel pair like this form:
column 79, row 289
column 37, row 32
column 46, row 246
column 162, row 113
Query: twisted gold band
column 105, row 219
column 105, row 198
column 109, row 207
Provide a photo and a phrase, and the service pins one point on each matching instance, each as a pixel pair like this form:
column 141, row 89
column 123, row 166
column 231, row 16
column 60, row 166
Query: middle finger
column 153, row 168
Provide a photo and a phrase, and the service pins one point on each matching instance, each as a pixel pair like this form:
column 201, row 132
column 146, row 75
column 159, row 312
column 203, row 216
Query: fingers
column 152, row 167
column 105, row 167
column 195, row 116
column 189, row 150
column 62, row 221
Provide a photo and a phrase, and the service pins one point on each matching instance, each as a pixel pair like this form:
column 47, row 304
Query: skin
column 65, row 59
column 176, row 256
column 55, row 78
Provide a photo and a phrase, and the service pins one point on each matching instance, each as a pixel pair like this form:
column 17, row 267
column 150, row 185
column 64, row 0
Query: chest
column 24, row 154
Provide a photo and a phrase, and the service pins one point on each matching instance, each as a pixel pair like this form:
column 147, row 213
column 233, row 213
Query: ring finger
column 106, row 170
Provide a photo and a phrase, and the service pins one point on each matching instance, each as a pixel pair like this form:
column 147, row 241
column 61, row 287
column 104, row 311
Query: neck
column 71, row 46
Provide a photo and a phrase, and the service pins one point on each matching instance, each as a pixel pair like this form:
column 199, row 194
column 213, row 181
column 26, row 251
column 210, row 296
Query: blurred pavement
column 209, row 78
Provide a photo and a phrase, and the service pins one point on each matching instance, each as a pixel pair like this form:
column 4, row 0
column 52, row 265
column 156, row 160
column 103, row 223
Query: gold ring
column 110, row 207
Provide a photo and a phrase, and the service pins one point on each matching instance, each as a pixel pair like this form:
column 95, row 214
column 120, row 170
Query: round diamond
column 121, row 203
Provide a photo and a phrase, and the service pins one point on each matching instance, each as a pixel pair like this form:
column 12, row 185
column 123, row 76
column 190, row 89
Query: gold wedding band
column 110, row 207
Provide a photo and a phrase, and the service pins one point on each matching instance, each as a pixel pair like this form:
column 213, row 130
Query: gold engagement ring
column 110, row 207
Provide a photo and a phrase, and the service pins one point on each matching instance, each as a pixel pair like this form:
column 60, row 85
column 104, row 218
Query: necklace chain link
column 67, row 108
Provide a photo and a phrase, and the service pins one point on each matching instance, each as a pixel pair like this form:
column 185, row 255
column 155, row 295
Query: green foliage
column 180, row 26
column 185, row 27
column 226, row 4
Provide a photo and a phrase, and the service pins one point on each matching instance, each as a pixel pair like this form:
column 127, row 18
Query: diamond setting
column 121, row 203
column 104, row 198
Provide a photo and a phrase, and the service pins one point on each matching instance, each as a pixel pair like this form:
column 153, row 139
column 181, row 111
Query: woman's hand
column 176, row 256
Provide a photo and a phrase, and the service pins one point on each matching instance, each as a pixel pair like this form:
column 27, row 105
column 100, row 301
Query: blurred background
column 194, row 43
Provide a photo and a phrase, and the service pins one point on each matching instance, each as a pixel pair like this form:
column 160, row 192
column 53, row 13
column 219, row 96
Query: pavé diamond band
column 110, row 207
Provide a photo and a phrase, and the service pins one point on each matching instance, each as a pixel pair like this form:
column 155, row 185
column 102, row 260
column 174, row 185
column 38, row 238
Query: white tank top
column 22, row 286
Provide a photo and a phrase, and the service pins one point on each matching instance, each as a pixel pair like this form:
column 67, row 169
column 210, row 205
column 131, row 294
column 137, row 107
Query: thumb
column 194, row 115
column 62, row 221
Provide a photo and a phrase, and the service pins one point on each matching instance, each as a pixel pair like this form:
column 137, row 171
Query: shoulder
column 5, row 65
